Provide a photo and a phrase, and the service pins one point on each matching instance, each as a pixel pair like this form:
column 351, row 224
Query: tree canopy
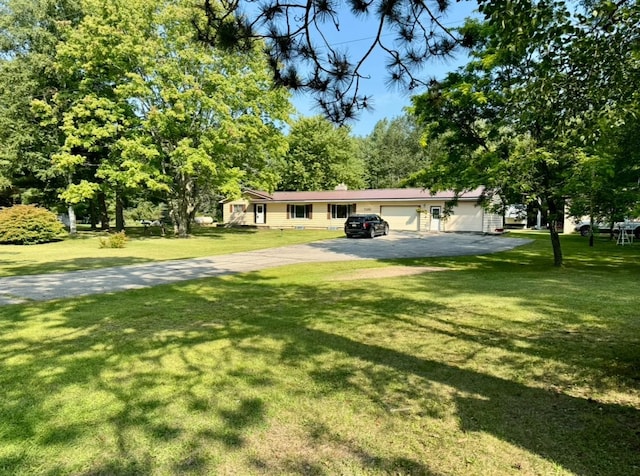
column 393, row 152
column 156, row 109
column 320, row 157
column 537, row 102
column 30, row 31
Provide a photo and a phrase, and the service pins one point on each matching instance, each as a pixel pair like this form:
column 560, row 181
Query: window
column 340, row 211
column 299, row 211
column 237, row 208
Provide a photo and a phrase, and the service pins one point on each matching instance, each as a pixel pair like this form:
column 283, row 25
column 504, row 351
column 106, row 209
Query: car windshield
column 358, row 218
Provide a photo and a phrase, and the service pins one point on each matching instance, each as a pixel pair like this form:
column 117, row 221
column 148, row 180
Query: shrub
column 29, row 225
column 116, row 240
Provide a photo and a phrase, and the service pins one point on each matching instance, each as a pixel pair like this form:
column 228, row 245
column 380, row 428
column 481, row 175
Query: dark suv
column 365, row 225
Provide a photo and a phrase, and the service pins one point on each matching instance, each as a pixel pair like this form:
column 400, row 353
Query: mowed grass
column 501, row 365
column 84, row 252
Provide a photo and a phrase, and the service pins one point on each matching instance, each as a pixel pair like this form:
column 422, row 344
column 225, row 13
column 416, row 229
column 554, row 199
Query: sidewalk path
column 20, row 289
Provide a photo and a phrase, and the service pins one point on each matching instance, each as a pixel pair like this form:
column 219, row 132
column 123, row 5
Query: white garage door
column 401, row 218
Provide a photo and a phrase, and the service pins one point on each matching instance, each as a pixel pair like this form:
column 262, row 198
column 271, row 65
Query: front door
column 260, row 214
column 435, row 219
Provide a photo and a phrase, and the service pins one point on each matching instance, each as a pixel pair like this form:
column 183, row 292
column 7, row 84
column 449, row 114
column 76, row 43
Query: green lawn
column 502, row 365
column 84, row 252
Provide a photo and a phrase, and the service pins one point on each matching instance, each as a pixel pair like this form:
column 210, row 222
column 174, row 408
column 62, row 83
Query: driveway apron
column 20, row 289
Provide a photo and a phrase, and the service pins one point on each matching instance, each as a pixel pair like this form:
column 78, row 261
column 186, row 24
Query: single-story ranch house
column 413, row 209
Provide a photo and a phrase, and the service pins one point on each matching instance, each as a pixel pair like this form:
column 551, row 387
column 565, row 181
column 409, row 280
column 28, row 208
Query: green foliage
column 29, row 33
column 146, row 210
column 114, row 240
column 157, row 110
column 517, row 120
column 393, row 152
column 320, row 157
column 79, row 192
column 29, row 225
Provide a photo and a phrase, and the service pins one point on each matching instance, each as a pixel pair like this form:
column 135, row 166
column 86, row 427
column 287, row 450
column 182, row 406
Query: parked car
column 630, row 227
column 584, row 227
column 365, row 225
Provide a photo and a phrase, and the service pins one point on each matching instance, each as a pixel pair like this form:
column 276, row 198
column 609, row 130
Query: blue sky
column 388, row 102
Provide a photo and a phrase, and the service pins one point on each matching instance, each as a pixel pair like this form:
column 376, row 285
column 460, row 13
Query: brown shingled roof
column 385, row 194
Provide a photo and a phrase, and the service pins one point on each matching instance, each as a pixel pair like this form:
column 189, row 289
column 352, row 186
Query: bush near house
column 29, row 225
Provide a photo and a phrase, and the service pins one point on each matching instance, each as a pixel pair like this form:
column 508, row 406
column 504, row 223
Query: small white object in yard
column 151, row 222
column 204, row 220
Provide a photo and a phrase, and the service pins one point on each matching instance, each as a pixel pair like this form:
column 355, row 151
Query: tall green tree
column 393, row 152
column 157, row 109
column 98, row 55
column 320, row 157
column 30, row 31
column 534, row 97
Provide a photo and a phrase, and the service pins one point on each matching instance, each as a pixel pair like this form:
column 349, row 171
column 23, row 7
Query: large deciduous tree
column 30, row 30
column 156, row 108
column 393, row 152
column 531, row 106
column 320, row 157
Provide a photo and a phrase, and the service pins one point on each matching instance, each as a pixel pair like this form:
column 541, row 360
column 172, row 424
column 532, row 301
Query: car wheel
column 372, row 232
column 584, row 231
column 386, row 230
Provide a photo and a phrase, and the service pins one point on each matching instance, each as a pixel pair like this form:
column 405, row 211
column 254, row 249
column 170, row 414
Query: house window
column 300, row 211
column 237, row 208
column 341, row 211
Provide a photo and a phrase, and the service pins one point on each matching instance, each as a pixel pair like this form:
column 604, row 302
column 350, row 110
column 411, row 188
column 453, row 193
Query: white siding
column 231, row 217
column 466, row 216
column 401, row 218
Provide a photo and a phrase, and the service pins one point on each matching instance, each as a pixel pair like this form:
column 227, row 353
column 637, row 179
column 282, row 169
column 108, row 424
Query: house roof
column 384, row 194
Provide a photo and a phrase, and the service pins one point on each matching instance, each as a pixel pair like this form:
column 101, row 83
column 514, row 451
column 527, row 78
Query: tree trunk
column 553, row 230
column 183, row 206
column 119, row 211
column 102, row 210
column 73, row 225
column 183, row 226
column 93, row 214
column 555, row 243
column 180, row 217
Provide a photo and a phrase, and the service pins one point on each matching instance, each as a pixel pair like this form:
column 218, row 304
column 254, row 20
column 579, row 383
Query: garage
column 401, row 218
column 467, row 216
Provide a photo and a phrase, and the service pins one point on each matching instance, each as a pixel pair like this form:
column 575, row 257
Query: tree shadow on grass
column 70, row 265
column 90, row 336
column 582, row 435
column 93, row 335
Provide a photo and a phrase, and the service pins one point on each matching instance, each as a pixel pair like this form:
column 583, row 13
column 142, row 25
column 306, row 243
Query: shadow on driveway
column 19, row 289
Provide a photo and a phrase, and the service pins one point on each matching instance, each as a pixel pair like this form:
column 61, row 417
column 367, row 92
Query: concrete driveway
column 19, row 289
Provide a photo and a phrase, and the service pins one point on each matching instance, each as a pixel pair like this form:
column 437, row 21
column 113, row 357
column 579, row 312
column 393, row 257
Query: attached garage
column 401, row 218
column 466, row 217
